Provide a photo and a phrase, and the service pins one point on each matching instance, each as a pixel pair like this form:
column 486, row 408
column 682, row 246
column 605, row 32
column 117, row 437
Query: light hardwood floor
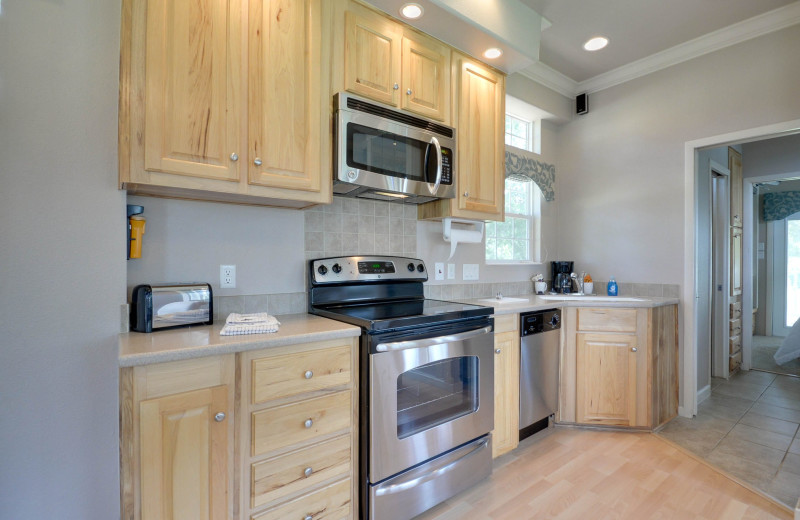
column 586, row 474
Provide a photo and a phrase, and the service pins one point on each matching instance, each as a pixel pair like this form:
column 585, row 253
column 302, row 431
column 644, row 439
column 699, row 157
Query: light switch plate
column 439, row 270
column 451, row 271
column 470, row 272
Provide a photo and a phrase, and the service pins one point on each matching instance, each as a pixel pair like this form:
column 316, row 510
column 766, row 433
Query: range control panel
column 349, row 269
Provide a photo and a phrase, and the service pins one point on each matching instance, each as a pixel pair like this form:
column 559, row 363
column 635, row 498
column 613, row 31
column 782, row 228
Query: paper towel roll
column 464, row 232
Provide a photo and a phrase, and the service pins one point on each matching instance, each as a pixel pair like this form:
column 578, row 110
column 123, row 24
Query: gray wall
column 62, row 255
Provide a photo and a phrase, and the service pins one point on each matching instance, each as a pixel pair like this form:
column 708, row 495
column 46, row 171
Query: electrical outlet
column 470, row 272
column 227, row 276
column 439, row 270
column 451, row 271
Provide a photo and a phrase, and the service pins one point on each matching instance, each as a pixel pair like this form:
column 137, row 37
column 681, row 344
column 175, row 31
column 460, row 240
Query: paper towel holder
column 472, row 235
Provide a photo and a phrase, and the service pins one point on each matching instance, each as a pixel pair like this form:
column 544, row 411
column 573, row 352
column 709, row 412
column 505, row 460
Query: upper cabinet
column 194, row 111
column 737, row 204
column 393, row 64
column 479, row 101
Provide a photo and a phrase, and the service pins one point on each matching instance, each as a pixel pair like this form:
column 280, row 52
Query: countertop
column 533, row 302
column 136, row 348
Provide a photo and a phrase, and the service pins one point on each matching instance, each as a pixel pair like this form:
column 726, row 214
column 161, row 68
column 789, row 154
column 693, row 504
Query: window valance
column 526, row 166
column 777, row 206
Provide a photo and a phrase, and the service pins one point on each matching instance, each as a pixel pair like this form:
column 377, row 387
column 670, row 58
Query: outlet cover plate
column 439, row 270
column 227, row 276
column 470, row 272
column 451, row 271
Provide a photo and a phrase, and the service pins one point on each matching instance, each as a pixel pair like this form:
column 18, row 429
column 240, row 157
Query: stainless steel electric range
column 426, row 382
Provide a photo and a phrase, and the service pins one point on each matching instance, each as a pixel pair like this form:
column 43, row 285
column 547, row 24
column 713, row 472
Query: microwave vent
column 363, row 106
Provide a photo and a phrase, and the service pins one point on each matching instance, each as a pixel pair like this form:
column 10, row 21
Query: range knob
column 322, row 270
column 421, row 268
column 411, row 267
column 337, row 268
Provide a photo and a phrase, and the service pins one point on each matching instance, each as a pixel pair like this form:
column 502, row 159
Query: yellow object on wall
column 137, row 223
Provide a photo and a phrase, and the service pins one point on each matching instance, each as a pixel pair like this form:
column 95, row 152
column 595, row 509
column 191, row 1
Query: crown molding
column 760, row 25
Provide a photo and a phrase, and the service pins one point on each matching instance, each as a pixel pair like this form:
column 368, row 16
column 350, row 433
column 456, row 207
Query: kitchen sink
column 504, row 301
column 591, row 298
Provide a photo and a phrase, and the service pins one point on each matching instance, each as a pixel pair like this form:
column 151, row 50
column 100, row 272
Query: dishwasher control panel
column 539, row 321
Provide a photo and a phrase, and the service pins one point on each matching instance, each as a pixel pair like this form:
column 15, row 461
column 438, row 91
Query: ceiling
column 636, row 29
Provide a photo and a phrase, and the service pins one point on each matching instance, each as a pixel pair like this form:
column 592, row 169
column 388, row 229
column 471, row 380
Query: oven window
column 436, row 393
column 385, row 153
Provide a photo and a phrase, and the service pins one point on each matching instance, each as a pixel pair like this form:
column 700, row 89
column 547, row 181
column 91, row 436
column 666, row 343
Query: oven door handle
column 429, row 342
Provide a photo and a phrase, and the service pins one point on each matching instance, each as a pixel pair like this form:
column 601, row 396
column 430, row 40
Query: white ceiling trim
column 766, row 23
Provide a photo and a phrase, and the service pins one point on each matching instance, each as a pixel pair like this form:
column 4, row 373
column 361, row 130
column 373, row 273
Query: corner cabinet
column 619, row 366
column 198, row 115
column 177, row 438
column 479, row 105
column 505, row 436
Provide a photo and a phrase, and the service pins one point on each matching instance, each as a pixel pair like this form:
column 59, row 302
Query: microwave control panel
column 447, row 166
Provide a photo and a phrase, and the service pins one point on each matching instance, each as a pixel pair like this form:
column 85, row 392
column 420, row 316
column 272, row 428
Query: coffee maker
column 562, row 284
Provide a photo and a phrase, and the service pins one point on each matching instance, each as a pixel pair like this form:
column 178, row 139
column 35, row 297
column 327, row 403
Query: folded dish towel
column 257, row 323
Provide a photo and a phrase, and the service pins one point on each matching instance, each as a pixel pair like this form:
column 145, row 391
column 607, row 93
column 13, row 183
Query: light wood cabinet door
column 372, row 47
column 191, row 114
column 737, row 203
column 426, row 77
column 184, row 455
column 285, row 113
column 608, row 378
column 505, row 436
column 736, row 261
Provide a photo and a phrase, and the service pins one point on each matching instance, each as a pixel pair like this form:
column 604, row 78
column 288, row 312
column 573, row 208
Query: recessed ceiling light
column 411, row 11
column 595, row 44
column 492, row 53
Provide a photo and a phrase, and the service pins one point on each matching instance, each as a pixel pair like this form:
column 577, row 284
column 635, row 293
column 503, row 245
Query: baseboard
column 703, row 394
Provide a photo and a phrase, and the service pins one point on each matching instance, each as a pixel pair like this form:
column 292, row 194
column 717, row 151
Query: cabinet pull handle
column 634, row 349
column 308, row 471
column 234, row 157
column 466, row 194
column 309, row 374
column 219, row 417
column 257, row 162
column 408, row 92
column 308, row 423
column 497, row 351
column 396, row 86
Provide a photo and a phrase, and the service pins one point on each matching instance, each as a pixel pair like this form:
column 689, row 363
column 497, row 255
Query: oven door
column 428, row 395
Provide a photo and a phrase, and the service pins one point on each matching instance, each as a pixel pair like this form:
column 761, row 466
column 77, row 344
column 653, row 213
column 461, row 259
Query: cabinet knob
column 396, row 86
column 308, row 423
column 309, row 374
column 308, row 471
column 466, row 194
column 634, row 349
column 219, row 417
column 234, row 157
column 408, row 92
column 257, row 161
column 308, row 517
column 497, row 351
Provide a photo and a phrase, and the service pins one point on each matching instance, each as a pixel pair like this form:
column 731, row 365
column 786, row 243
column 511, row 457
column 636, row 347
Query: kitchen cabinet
column 479, row 103
column 392, row 63
column 736, row 202
column 619, row 366
column 177, row 439
column 505, row 436
column 198, row 115
column 299, row 435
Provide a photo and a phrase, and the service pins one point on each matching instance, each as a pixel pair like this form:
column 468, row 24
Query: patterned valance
column 777, row 206
column 524, row 165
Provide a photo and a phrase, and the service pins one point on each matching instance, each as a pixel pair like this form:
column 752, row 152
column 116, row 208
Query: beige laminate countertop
column 532, row 302
column 136, row 348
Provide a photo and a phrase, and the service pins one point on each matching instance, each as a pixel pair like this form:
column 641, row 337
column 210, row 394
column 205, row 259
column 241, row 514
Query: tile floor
column 748, row 428
column 764, row 348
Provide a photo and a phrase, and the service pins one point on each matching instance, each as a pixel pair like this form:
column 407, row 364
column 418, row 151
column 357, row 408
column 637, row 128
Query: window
column 518, row 132
column 516, row 240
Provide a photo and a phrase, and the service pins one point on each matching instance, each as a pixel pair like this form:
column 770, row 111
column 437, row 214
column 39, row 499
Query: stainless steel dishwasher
column 540, row 334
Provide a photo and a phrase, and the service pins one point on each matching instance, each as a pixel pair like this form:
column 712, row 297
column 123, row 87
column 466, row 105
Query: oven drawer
column 275, row 478
column 329, row 503
column 299, row 422
column 606, row 320
column 297, row 373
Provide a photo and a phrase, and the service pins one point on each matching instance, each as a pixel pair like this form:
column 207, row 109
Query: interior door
column 786, row 282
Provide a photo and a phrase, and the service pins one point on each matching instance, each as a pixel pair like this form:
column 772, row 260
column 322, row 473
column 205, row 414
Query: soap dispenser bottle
column 612, row 287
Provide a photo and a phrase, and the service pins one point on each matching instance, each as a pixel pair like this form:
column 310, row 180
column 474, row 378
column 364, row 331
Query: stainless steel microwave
column 385, row 154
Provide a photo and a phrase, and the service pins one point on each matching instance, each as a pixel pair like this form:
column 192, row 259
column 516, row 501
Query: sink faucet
column 577, row 285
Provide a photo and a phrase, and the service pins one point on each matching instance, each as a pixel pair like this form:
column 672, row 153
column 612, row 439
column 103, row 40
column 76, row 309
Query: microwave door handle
column 429, row 342
column 435, row 143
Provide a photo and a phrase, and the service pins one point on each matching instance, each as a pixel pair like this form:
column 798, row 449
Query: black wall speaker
column 582, row 104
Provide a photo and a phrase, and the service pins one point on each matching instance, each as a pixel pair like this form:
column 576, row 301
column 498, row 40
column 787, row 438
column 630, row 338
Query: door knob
column 634, row 349
column 309, row 374
column 234, row 156
column 396, row 86
column 497, row 351
column 308, row 471
column 408, row 92
column 219, row 417
column 308, row 423
column 257, row 162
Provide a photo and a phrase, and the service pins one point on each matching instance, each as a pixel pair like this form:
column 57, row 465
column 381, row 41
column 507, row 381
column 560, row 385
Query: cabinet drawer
column 607, row 320
column 506, row 323
column 735, row 327
column 286, row 425
column 275, row 478
column 736, row 310
column 735, row 344
column 735, row 361
column 329, row 503
column 292, row 374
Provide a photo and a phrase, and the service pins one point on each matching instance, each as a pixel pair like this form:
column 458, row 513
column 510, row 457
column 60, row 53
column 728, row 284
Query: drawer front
column 292, row 374
column 736, row 310
column 607, row 320
column 329, row 503
column 735, row 361
column 506, row 323
column 735, row 327
column 290, row 424
column 275, row 478
column 735, row 344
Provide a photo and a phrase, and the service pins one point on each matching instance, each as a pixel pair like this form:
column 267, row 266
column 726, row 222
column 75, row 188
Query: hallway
column 748, row 428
